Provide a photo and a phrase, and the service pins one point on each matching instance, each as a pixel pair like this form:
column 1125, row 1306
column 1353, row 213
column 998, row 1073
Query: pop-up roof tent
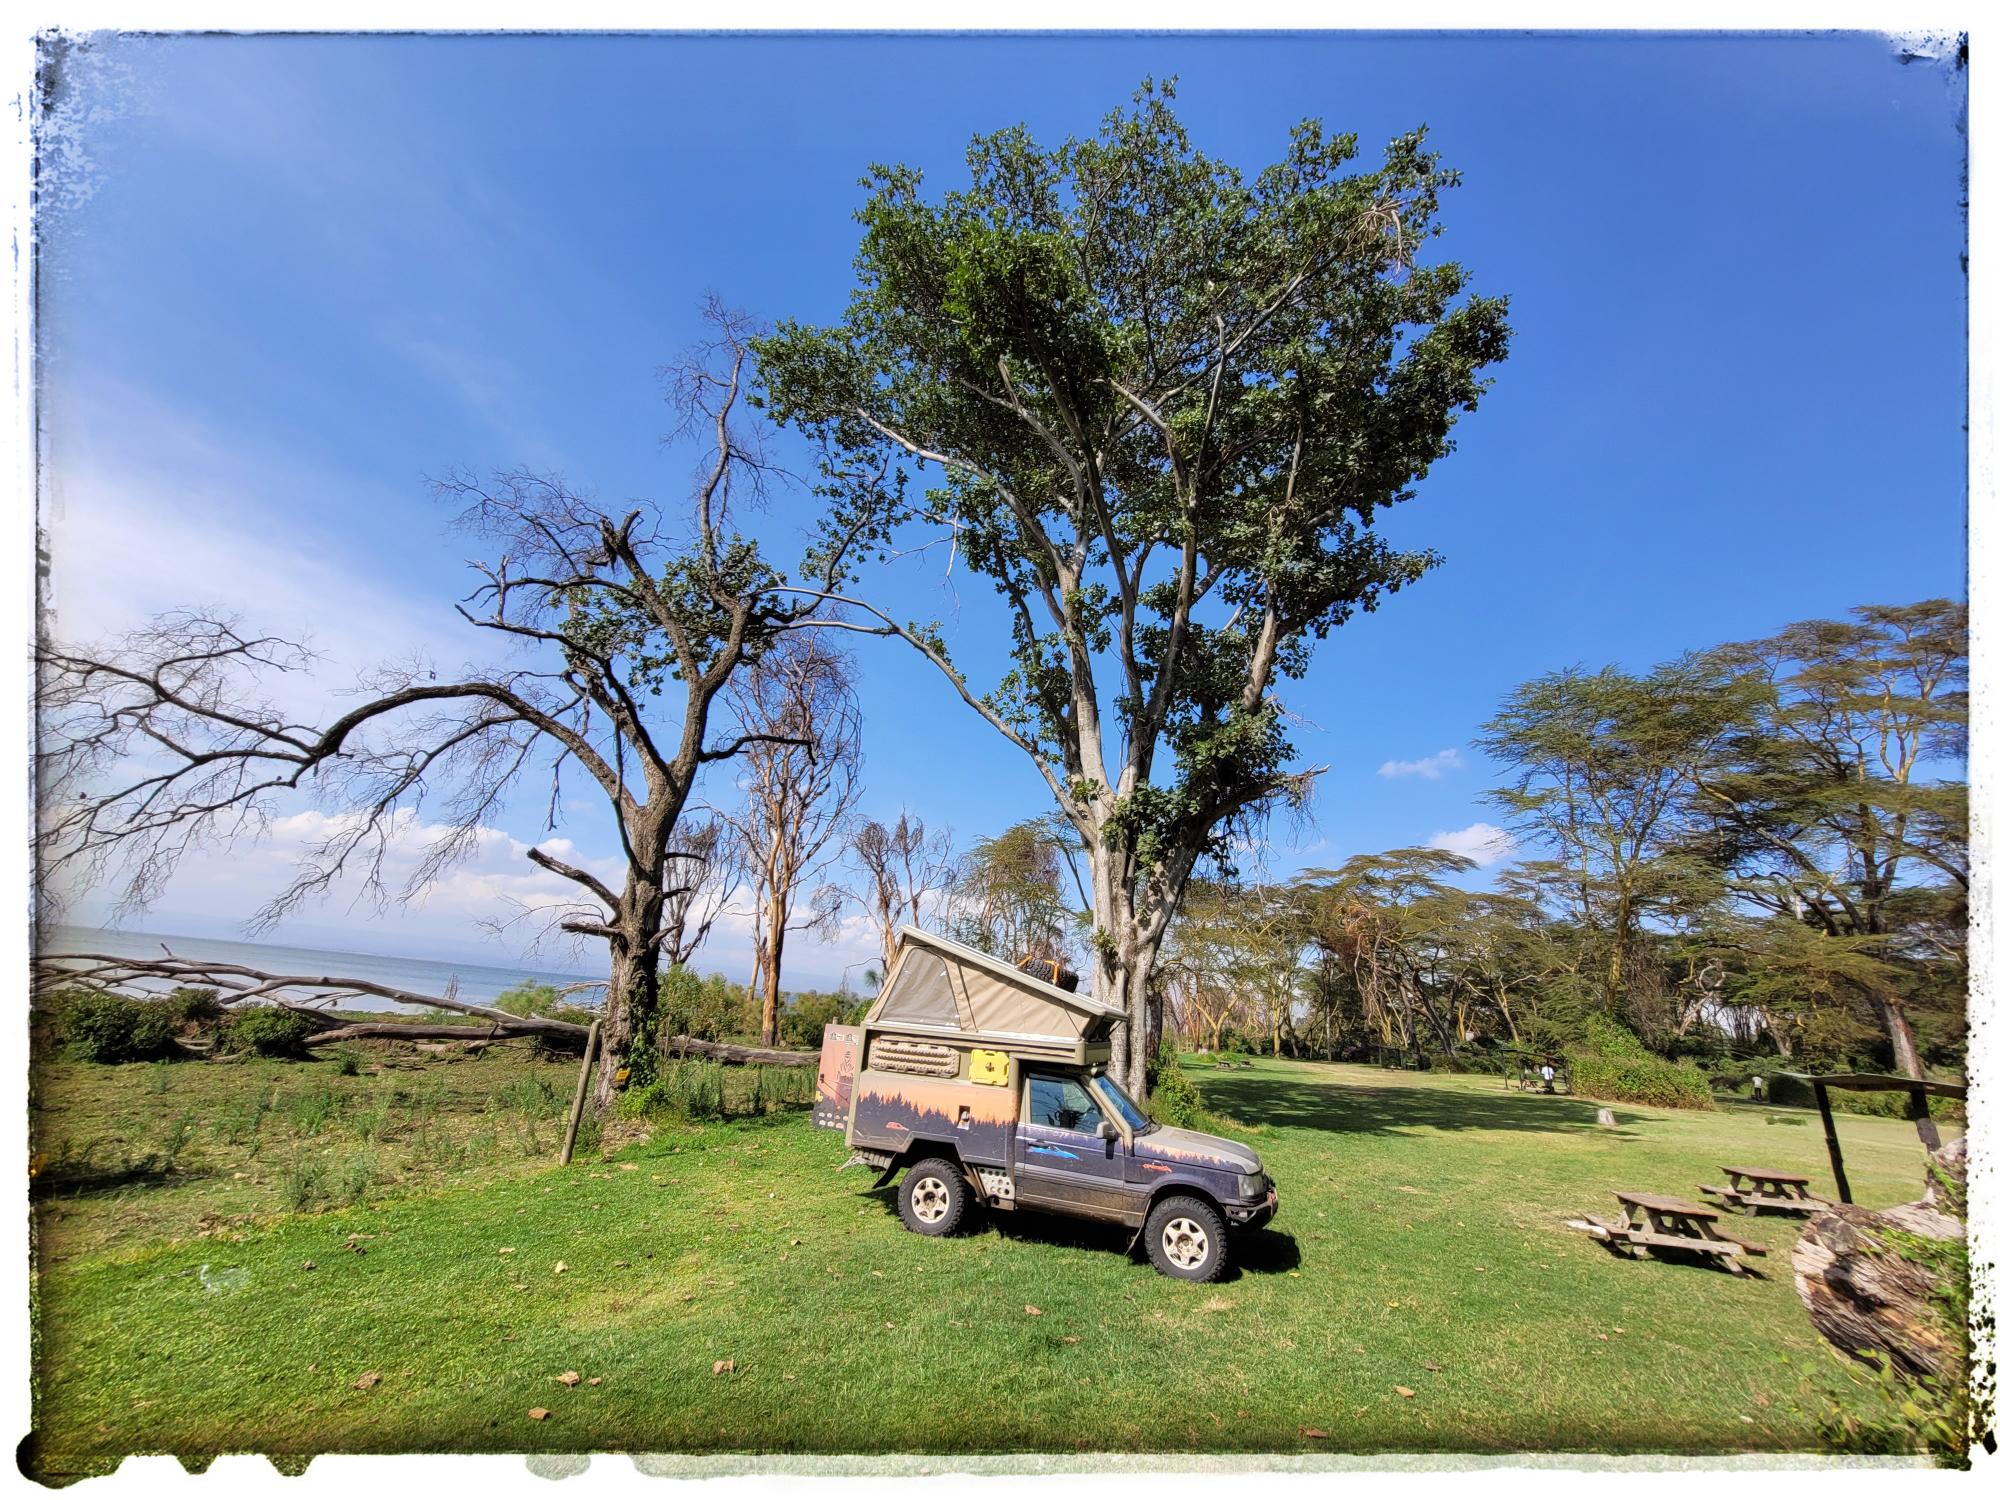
column 941, row 987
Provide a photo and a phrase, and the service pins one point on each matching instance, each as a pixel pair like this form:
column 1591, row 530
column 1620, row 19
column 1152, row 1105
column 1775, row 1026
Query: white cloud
column 1481, row 842
column 149, row 510
column 1431, row 767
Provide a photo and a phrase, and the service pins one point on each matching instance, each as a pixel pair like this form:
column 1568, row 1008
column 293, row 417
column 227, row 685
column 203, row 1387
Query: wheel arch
column 1183, row 1188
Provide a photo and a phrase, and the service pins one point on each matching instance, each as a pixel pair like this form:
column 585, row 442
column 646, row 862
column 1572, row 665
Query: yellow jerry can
column 988, row 1066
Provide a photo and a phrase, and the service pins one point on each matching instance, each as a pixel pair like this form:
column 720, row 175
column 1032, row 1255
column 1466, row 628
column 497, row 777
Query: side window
column 1062, row 1103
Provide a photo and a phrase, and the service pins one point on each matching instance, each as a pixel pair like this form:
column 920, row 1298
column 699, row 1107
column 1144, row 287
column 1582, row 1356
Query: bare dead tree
column 166, row 743
column 894, row 870
column 702, row 878
column 801, row 773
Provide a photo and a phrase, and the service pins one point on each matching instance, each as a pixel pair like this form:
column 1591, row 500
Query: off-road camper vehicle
column 984, row 1086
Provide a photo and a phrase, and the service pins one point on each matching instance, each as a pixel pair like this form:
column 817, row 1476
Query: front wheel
column 932, row 1197
column 1187, row 1240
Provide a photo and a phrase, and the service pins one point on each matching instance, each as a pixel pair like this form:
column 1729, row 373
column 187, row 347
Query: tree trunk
column 775, row 945
column 1902, row 1042
column 1874, row 1300
column 1614, row 971
column 631, row 1011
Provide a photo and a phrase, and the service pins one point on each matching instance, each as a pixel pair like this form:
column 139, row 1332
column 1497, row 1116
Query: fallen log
column 236, row 983
column 442, row 1031
column 732, row 1052
column 1880, row 1284
column 306, row 994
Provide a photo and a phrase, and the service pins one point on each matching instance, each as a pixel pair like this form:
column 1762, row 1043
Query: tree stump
column 1881, row 1284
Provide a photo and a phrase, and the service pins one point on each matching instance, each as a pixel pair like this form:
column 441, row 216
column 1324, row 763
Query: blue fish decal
column 1053, row 1151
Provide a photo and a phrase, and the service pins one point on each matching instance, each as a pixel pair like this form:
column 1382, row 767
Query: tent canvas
column 940, row 985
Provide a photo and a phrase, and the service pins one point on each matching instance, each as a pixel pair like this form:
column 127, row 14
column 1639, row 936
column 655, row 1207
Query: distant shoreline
column 477, row 982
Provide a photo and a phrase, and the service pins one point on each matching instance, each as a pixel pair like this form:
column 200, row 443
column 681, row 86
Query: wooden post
column 1832, row 1141
column 1927, row 1131
column 583, row 1090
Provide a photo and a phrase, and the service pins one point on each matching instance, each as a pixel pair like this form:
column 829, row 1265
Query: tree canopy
column 1159, row 406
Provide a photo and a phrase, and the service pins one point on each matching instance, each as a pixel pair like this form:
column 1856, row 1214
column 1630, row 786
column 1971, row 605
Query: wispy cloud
column 149, row 509
column 1431, row 767
column 1481, row 842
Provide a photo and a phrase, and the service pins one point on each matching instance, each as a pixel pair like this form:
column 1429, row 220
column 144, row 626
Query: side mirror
column 1106, row 1131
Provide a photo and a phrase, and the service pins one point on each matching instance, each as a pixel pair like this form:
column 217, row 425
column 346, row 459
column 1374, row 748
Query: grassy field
column 723, row 1288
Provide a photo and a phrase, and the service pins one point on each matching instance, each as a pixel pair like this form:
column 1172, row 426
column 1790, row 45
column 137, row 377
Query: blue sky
column 286, row 279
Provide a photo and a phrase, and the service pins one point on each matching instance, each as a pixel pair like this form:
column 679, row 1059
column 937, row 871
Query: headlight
column 1253, row 1184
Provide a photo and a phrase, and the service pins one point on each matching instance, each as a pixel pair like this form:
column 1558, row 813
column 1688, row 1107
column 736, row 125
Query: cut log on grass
column 1879, row 1284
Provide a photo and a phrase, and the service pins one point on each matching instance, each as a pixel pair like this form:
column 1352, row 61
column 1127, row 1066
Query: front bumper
column 1254, row 1215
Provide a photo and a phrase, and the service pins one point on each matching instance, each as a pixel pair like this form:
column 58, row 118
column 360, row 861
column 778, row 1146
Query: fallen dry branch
column 236, row 983
column 310, row 995
column 731, row 1052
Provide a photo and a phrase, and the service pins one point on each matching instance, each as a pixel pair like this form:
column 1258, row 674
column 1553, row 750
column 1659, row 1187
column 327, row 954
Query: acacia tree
column 1829, row 802
column 801, row 774
column 1011, row 897
column 1197, row 972
column 1605, row 766
column 1159, row 407
column 166, row 743
column 897, row 868
column 1393, row 921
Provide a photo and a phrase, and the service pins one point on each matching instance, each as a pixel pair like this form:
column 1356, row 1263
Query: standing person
column 1757, row 1087
column 1548, row 1079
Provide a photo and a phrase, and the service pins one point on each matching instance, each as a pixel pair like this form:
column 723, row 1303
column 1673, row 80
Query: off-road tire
column 1187, row 1240
column 933, row 1197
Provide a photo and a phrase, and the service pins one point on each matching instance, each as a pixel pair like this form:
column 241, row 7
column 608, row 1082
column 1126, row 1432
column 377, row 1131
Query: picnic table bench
column 1650, row 1222
column 1758, row 1188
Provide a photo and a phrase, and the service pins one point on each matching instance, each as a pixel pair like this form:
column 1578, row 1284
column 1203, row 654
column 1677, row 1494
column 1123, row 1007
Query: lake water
column 479, row 983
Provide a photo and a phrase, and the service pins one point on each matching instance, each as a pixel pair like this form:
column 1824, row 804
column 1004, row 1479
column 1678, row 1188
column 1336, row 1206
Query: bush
column 686, row 1090
column 102, row 1028
column 270, row 1032
column 803, row 1022
column 1173, row 1098
column 1888, row 1104
column 193, row 1008
column 529, row 998
column 1610, row 1063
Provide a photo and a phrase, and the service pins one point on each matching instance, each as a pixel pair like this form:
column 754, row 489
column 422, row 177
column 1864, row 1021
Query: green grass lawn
column 1419, row 1245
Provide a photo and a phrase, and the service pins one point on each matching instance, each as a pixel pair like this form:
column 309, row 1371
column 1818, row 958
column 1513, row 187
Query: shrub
column 686, row 1090
column 102, row 1028
column 1887, row 1104
column 357, row 1176
column 304, row 1184
column 193, row 1007
column 537, row 1098
column 310, row 1113
column 530, row 998
column 1610, row 1063
column 803, row 1022
column 1173, row 1098
column 270, row 1032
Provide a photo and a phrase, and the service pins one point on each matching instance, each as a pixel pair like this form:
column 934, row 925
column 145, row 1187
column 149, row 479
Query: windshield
column 1134, row 1116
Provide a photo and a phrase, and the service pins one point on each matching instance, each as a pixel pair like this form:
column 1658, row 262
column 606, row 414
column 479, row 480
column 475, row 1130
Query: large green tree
column 1837, row 803
column 1605, row 765
column 1159, row 406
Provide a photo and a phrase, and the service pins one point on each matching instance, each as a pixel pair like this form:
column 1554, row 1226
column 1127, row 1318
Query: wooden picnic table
column 1758, row 1188
column 1651, row 1222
